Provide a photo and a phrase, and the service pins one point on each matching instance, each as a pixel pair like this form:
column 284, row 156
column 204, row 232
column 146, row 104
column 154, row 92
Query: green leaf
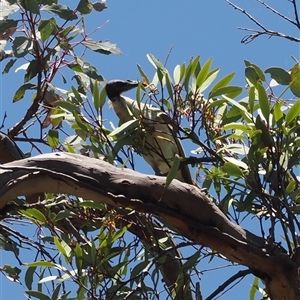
column 66, row 105
column 167, row 103
column 13, row 272
column 294, row 159
column 8, row 66
column 102, row 47
column 210, row 78
column 253, row 289
column 191, row 261
column 7, row 24
column 237, row 126
column 76, row 97
column 195, row 66
column 60, row 10
column 169, row 86
column 295, row 83
column 238, row 149
column 157, row 64
column 251, row 99
column 182, row 71
column 63, row 214
column 78, row 257
column 225, row 90
column 173, row 171
column 81, row 123
column 66, row 36
column 293, row 113
column 143, row 74
column 47, row 264
column 85, row 67
column 38, row 295
column 21, row 91
column 176, row 74
column 47, row 28
column 189, row 72
column 55, row 294
column 279, row 75
column 263, row 101
column 221, row 83
column 240, row 107
column 84, row 7
column 203, row 73
column 296, row 209
column 31, row 71
column 277, row 113
column 135, row 272
column 68, row 276
column 21, row 46
column 266, row 137
column 92, row 204
column 258, row 71
column 102, row 97
column 125, row 127
column 29, row 277
column 53, row 138
column 232, row 170
column 96, row 95
column 119, row 233
column 31, row 5
column 35, row 214
column 47, row 279
column 252, row 75
column 291, row 186
column 63, row 248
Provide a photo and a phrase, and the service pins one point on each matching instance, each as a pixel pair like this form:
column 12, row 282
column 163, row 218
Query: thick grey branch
column 181, row 205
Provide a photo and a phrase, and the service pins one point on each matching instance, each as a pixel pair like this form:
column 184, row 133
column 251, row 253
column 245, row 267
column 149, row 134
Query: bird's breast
column 121, row 111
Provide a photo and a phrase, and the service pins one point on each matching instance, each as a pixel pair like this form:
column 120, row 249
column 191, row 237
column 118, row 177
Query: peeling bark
column 195, row 217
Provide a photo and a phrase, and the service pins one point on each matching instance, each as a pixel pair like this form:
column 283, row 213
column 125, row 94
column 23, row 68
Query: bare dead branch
column 276, row 12
column 296, row 12
column 265, row 31
column 247, row 14
column 249, row 38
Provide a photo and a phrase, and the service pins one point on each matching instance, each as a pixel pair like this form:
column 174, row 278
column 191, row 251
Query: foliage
column 249, row 136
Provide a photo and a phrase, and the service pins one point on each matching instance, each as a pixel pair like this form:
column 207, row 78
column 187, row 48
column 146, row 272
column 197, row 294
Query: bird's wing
column 183, row 173
column 153, row 148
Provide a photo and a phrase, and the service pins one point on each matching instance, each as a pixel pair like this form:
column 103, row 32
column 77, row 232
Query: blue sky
column 206, row 28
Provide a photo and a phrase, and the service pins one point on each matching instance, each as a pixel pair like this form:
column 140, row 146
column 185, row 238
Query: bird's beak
column 121, row 86
column 115, row 88
column 127, row 85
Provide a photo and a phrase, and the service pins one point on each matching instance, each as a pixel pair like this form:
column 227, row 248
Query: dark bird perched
column 159, row 145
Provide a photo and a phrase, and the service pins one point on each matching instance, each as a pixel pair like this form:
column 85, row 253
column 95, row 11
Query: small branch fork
column 265, row 31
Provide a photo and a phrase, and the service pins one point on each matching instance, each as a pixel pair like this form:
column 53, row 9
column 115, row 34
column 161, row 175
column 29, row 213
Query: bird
column 157, row 142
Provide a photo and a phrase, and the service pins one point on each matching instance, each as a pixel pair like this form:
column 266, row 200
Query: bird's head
column 114, row 88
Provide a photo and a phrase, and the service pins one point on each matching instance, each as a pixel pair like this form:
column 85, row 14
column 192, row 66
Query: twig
column 256, row 33
column 296, row 12
column 247, row 14
column 249, row 38
column 3, row 121
column 277, row 12
column 239, row 274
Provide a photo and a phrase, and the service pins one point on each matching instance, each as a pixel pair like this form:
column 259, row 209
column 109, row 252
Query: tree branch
column 230, row 280
column 265, row 31
column 195, row 217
